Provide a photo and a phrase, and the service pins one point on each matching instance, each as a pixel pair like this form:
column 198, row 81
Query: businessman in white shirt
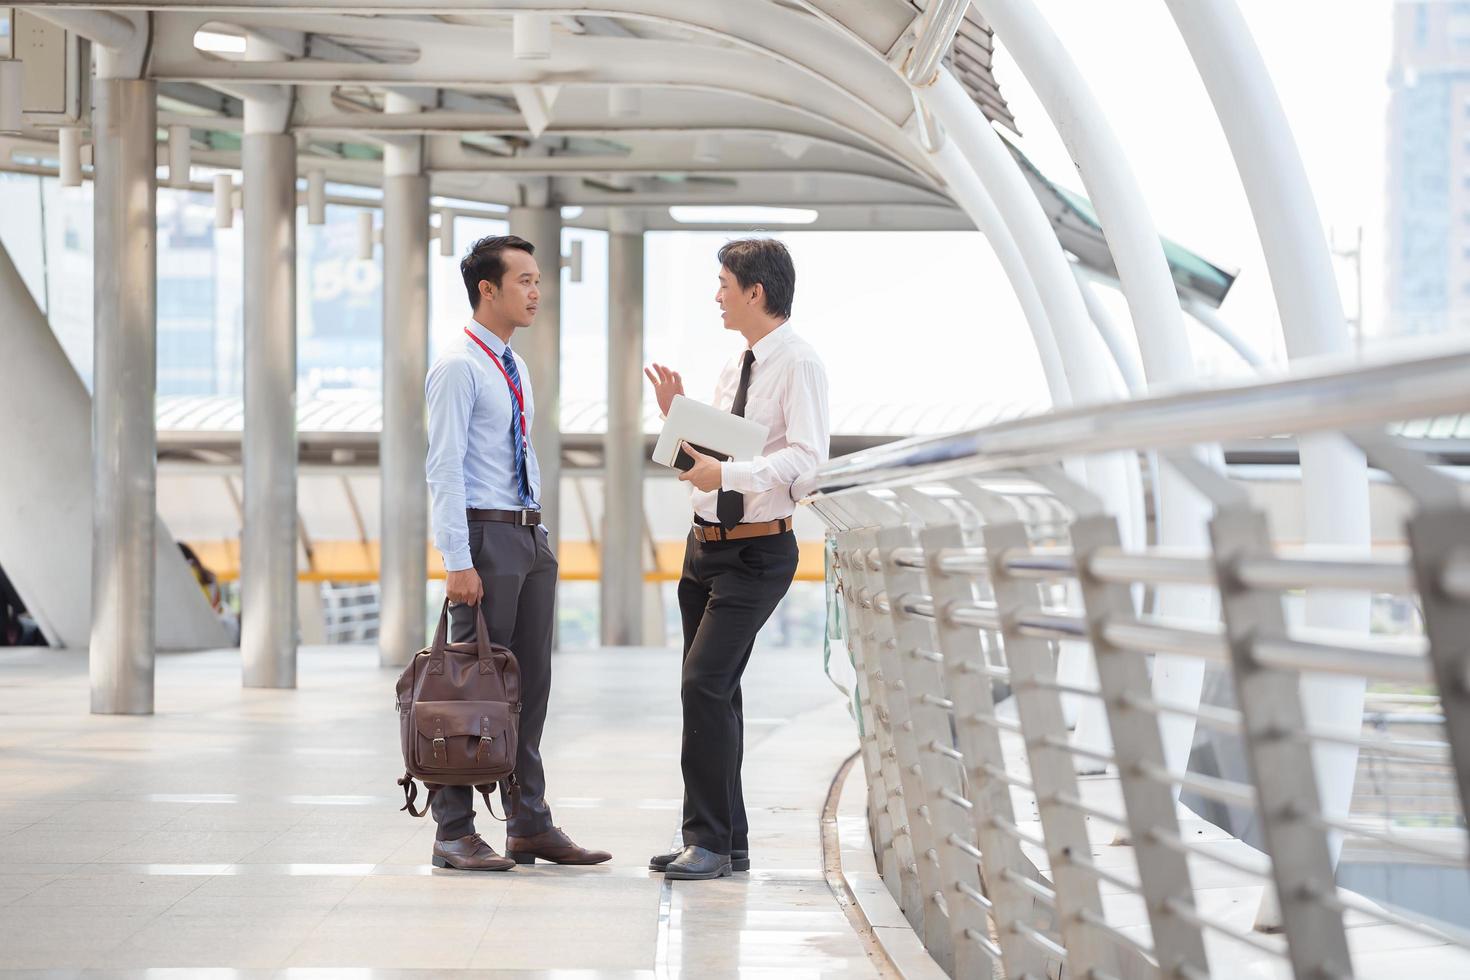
column 741, row 554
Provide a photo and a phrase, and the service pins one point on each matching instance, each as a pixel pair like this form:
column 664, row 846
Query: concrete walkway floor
column 257, row 833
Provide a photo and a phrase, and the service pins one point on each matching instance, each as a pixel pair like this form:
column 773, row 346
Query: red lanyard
column 515, row 389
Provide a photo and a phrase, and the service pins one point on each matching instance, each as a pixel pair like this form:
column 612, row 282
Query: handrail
column 991, row 606
column 1324, row 400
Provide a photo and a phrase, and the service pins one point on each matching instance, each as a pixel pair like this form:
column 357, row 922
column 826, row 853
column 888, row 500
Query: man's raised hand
column 666, row 384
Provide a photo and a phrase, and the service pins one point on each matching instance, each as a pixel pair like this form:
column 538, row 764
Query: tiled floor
column 256, row 833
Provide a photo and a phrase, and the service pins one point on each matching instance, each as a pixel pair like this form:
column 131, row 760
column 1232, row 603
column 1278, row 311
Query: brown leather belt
column 713, row 532
column 524, row 518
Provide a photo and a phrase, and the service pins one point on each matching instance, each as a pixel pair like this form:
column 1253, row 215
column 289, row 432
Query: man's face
column 736, row 304
column 519, row 295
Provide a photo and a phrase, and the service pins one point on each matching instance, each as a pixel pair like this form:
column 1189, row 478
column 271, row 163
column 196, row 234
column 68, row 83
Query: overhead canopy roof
column 1076, row 224
column 643, row 105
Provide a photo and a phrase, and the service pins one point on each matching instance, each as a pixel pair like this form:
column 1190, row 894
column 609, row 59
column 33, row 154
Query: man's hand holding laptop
column 705, row 474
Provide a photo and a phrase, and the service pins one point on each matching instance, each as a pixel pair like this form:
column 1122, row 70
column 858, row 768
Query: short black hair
column 484, row 262
column 764, row 261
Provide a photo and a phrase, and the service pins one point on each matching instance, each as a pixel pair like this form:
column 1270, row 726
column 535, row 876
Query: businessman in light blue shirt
column 485, row 486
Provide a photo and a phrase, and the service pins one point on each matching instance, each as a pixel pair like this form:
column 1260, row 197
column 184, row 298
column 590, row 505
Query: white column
column 1115, row 478
column 1211, row 320
column 1334, row 475
column 268, row 548
column 1153, row 301
column 124, row 451
column 403, row 571
column 540, row 345
column 1083, row 356
column 972, row 197
column 622, row 491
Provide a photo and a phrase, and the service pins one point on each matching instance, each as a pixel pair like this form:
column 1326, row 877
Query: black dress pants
column 726, row 593
column 519, row 573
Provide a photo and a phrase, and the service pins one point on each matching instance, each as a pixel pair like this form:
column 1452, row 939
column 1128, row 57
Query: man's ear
column 487, row 289
column 757, row 295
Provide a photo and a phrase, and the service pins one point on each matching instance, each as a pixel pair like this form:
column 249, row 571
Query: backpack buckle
column 485, row 739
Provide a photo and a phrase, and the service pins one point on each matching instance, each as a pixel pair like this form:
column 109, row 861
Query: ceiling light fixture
column 720, row 214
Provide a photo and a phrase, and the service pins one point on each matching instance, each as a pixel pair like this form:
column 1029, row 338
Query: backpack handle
column 482, row 632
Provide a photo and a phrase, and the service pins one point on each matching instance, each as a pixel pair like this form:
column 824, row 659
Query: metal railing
column 964, row 563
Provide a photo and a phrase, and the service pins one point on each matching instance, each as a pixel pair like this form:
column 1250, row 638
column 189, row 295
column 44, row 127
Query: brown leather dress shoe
column 469, row 854
column 551, row 845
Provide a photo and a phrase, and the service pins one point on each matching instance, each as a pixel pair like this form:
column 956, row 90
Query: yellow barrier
column 357, row 561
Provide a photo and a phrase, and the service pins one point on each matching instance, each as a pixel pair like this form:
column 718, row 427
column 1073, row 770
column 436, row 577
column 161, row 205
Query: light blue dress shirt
column 471, row 461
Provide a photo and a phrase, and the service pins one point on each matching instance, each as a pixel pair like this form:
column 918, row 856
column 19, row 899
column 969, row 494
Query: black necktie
column 730, row 505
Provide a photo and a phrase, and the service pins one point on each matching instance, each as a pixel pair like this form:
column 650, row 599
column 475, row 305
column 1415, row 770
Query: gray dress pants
column 519, row 572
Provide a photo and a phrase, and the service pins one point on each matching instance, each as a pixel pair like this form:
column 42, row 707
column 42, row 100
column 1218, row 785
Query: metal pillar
column 540, row 345
column 874, row 630
column 268, row 549
column 124, row 451
column 880, row 826
column 967, row 684
column 1078, row 899
column 622, row 513
column 1286, row 779
column 950, row 868
column 403, row 566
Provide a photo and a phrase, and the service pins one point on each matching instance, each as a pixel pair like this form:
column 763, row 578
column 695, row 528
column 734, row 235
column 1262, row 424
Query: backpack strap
column 484, row 791
column 411, row 795
column 512, row 789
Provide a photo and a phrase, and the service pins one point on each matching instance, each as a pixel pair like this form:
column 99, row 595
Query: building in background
column 1429, row 169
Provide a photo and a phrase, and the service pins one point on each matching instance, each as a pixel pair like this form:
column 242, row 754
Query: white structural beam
column 473, row 57
column 403, row 565
column 1334, row 475
column 767, row 26
column 1147, row 285
column 1210, row 318
column 1125, row 359
column 973, row 197
column 1115, row 478
column 1083, row 356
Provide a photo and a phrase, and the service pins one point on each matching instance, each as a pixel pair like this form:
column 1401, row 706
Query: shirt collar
column 768, row 344
column 496, row 345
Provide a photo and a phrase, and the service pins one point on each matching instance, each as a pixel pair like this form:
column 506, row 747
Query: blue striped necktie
column 518, row 438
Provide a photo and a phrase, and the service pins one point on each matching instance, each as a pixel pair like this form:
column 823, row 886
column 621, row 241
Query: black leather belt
column 523, row 518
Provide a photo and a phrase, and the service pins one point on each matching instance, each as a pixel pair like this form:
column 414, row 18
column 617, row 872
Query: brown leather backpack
column 459, row 714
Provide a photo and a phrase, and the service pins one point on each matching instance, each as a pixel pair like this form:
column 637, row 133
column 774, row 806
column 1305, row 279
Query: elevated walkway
column 259, row 831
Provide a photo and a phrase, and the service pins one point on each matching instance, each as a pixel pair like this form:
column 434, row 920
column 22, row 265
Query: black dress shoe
column 698, row 864
column 739, row 860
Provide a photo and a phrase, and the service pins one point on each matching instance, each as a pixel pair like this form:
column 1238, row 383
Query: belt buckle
column 523, row 518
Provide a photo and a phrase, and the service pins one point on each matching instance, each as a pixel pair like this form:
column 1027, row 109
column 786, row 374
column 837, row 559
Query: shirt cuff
column 739, row 477
column 457, row 561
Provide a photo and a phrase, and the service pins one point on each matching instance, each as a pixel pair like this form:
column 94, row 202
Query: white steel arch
column 1153, row 301
column 1334, row 474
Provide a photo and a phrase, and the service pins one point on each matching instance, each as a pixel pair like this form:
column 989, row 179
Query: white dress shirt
column 788, row 395
column 471, row 461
